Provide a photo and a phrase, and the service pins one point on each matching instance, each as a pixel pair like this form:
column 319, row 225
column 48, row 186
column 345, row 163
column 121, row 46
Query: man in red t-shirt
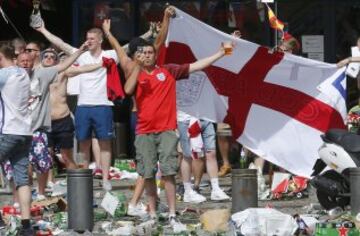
column 156, row 140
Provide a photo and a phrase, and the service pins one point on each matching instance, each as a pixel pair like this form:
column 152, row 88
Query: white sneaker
column 138, row 210
column 193, row 197
column 218, row 195
column 106, row 184
column 40, row 197
column 49, row 187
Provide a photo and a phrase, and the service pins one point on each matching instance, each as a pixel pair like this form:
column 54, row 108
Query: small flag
column 275, row 23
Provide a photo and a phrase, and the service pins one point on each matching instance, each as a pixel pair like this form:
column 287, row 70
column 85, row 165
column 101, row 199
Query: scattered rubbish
column 10, row 210
column 59, row 189
column 179, row 227
column 110, row 203
column 106, row 226
column 335, row 213
column 313, row 207
column 310, row 221
column 336, row 229
column 187, row 209
column 145, row 228
column 303, row 227
column 60, row 220
column 114, row 205
column 215, row 220
column 264, row 221
column 100, row 215
column 129, row 175
column 125, row 165
column 357, row 221
column 285, row 185
column 56, row 203
column 14, row 226
column 121, row 208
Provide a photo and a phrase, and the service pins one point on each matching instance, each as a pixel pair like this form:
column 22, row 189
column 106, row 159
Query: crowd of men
column 35, row 116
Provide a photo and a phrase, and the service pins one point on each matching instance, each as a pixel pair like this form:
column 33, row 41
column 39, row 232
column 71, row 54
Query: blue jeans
column 208, row 136
column 15, row 148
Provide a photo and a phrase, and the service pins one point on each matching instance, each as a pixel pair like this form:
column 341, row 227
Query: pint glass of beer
column 228, row 47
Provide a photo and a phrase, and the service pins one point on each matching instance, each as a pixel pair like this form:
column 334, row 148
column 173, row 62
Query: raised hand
column 106, row 25
column 84, row 47
column 236, row 34
column 170, row 12
column 139, row 57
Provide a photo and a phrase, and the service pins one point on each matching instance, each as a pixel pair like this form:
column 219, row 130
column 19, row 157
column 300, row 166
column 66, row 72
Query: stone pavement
column 126, row 187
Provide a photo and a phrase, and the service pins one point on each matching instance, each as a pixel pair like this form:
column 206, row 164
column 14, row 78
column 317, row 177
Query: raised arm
column 207, row 61
column 74, row 71
column 58, row 42
column 131, row 82
column 147, row 35
column 160, row 39
column 71, row 59
column 348, row 60
column 120, row 51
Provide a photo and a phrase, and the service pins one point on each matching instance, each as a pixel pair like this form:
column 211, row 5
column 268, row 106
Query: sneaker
column 219, row 195
column 224, row 170
column 40, row 197
column 138, row 210
column 106, row 184
column 193, row 197
column 49, row 186
column 197, row 189
column 27, row 232
column 97, row 174
column 173, row 220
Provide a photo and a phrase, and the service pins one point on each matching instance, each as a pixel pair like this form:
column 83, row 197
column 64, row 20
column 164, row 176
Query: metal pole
column 80, row 200
column 276, row 32
column 244, row 189
column 355, row 191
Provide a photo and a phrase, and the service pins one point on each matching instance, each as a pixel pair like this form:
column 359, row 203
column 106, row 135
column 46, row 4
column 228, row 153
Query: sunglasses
column 49, row 57
column 31, row 50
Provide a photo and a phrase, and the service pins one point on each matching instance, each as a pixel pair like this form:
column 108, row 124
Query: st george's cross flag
column 277, row 104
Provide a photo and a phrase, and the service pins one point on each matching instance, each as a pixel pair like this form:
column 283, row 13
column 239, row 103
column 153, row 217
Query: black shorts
column 62, row 133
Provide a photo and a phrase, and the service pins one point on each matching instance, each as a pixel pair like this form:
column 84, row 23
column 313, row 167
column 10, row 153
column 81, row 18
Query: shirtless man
column 62, row 126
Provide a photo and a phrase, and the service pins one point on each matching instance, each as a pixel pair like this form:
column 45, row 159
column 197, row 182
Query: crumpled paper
column 264, row 221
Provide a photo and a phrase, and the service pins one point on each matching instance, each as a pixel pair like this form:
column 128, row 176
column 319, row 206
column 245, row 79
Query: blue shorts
column 15, row 148
column 97, row 119
column 207, row 133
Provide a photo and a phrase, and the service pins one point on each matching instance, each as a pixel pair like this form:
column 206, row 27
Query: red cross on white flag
column 272, row 101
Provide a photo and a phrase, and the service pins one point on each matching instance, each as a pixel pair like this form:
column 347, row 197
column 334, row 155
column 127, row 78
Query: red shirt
column 156, row 98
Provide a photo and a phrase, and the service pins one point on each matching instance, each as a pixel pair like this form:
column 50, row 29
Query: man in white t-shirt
column 92, row 99
column 15, row 128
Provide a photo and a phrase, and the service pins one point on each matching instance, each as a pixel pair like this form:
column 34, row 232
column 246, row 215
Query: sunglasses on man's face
column 49, row 56
column 31, row 50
